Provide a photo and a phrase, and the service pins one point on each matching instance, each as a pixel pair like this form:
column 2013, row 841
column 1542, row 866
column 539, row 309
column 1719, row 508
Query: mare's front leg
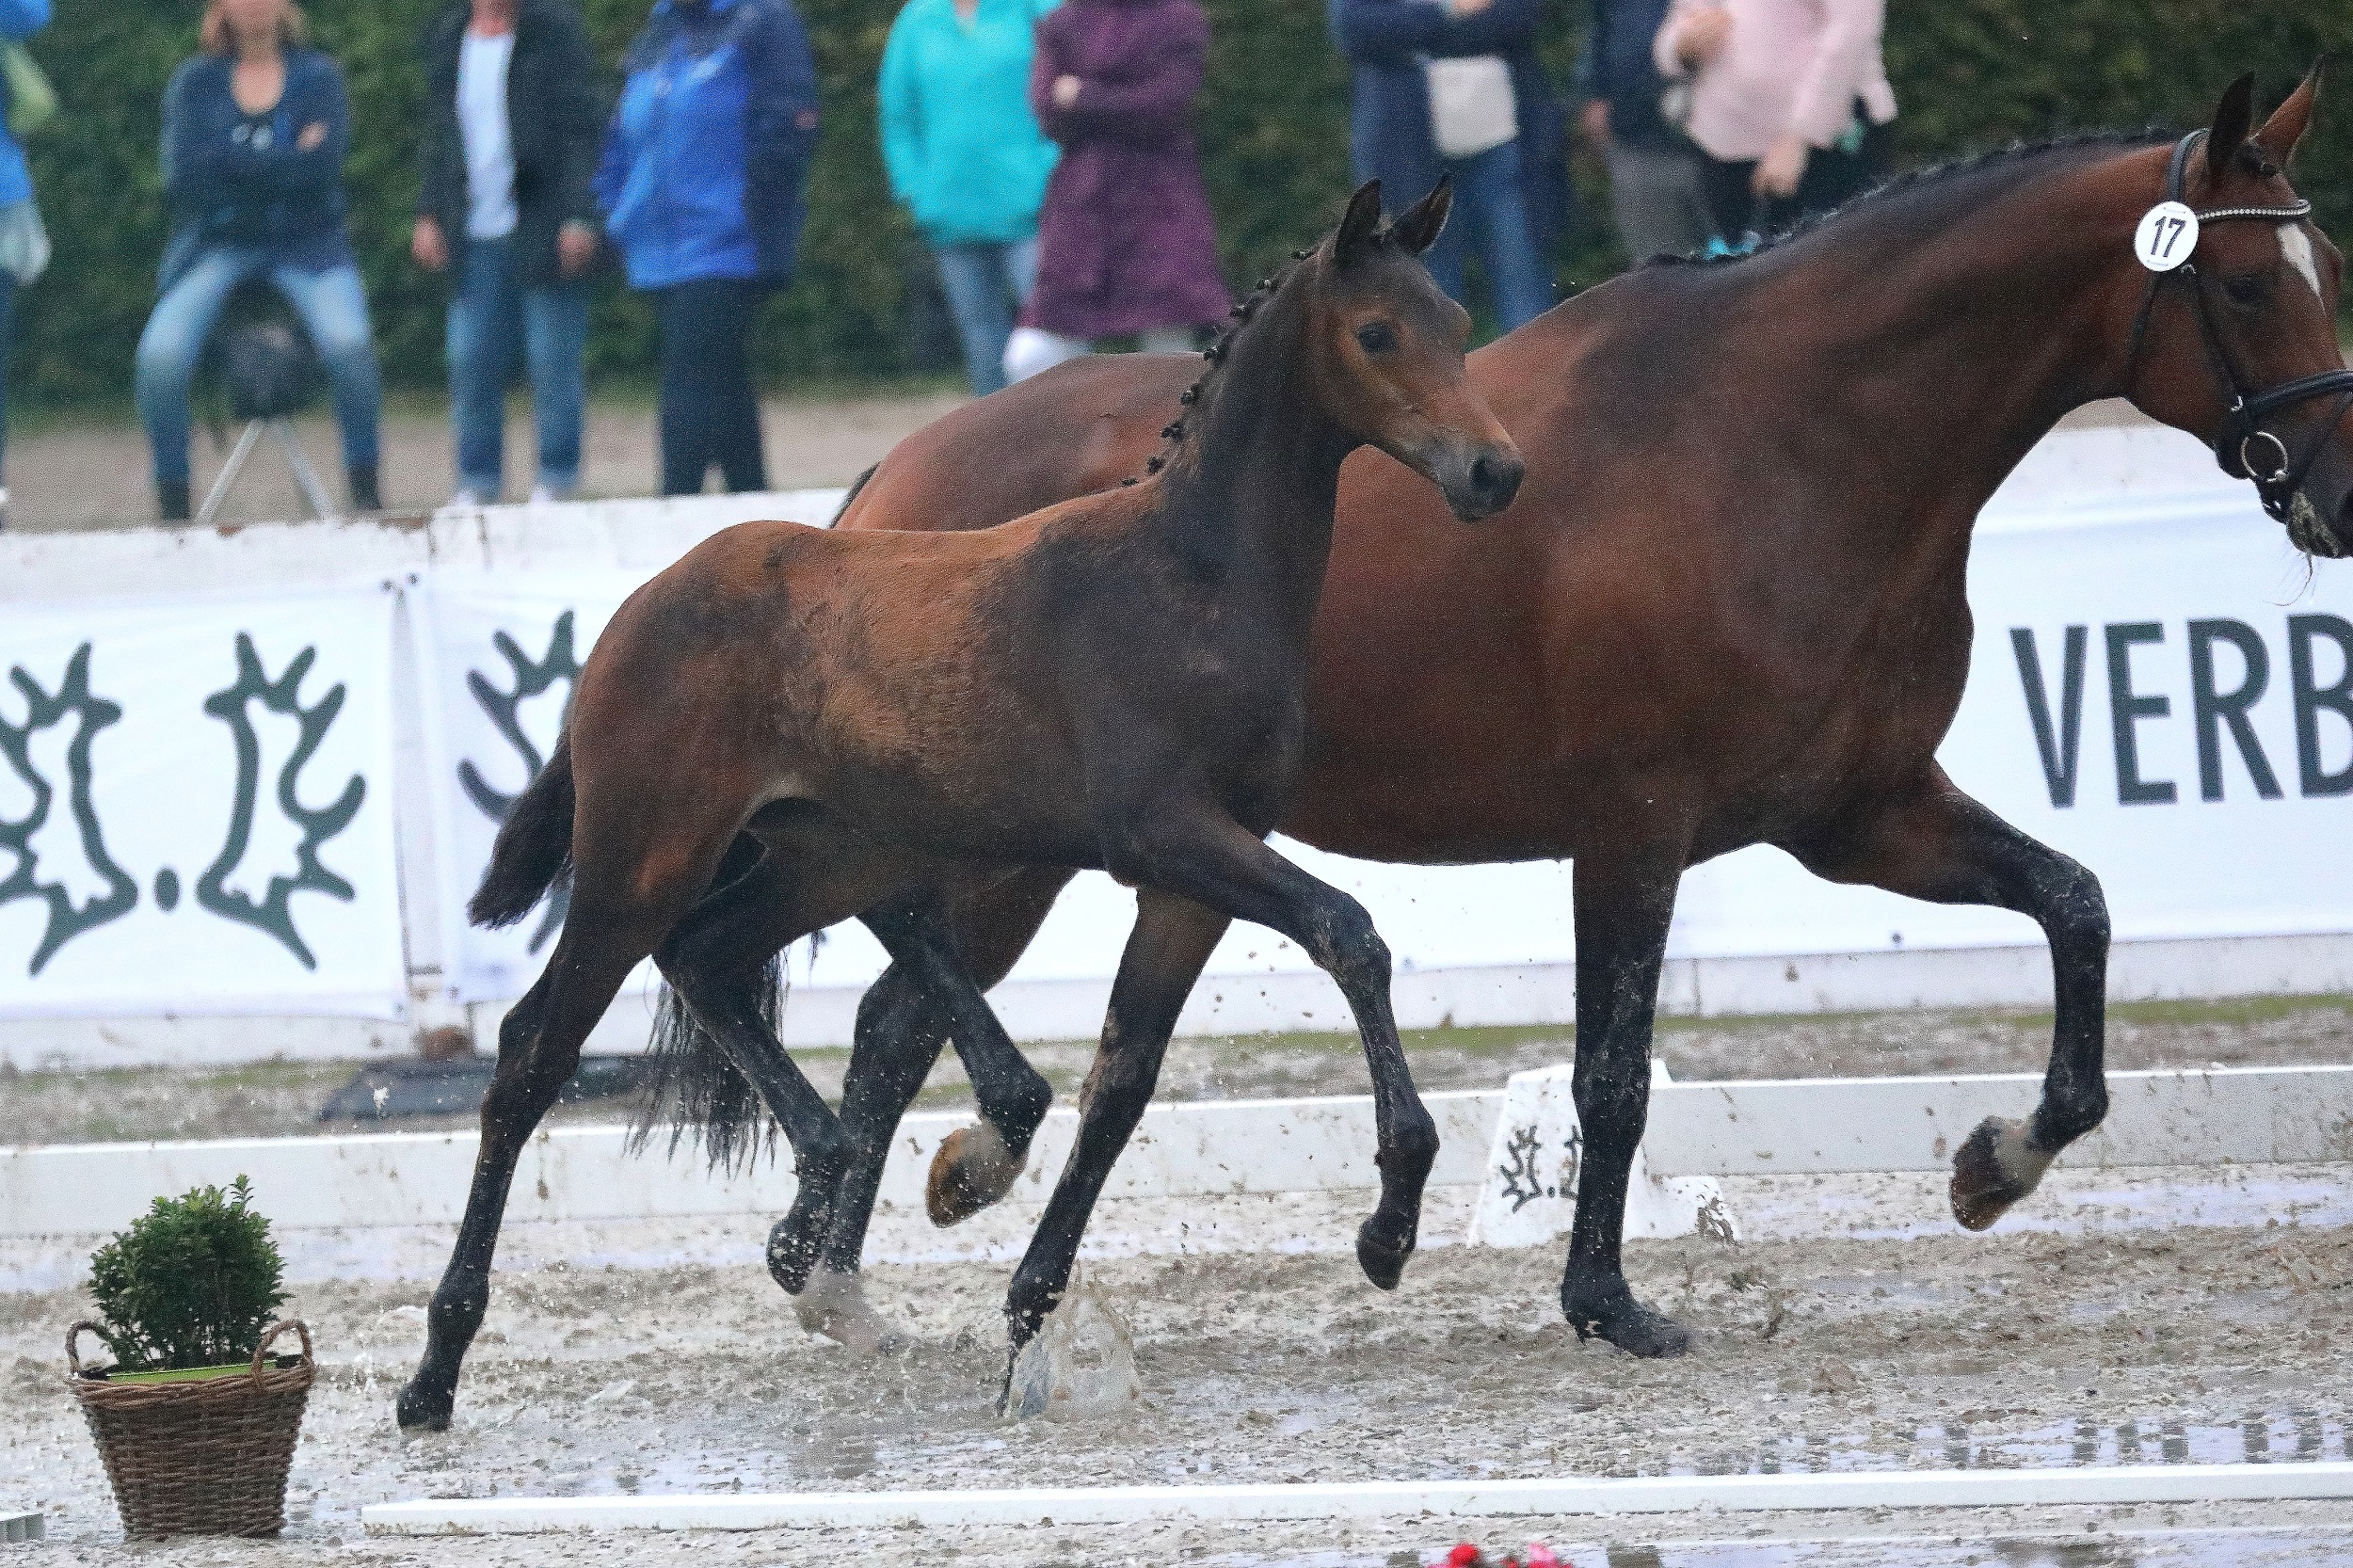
column 1172, row 940
column 1623, row 910
column 1934, row 842
column 1214, row 860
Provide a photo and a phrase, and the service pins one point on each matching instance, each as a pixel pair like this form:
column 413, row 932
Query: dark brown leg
column 538, row 1050
column 1172, row 940
column 1938, row 844
column 1213, row 861
column 1622, row 910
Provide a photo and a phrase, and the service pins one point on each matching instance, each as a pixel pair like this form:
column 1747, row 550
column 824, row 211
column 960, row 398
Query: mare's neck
column 1949, row 350
column 1248, row 494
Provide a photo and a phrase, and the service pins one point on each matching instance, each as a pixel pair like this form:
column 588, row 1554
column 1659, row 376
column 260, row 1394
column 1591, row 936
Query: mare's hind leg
column 538, row 1050
column 715, row 961
column 1623, row 910
column 1172, row 940
column 1208, row 857
column 1936, row 843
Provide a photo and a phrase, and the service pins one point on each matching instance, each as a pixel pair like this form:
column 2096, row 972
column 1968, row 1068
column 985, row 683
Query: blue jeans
column 985, row 285
column 496, row 318
column 334, row 311
column 1487, row 197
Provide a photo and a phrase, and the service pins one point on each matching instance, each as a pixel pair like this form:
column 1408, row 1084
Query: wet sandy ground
column 87, row 475
column 2011, row 1349
column 281, row 1100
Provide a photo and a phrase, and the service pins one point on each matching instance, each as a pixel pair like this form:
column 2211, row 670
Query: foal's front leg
column 1214, row 861
column 1172, row 940
column 1936, row 843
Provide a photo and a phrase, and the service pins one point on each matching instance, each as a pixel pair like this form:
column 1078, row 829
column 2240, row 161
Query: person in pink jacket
column 1786, row 99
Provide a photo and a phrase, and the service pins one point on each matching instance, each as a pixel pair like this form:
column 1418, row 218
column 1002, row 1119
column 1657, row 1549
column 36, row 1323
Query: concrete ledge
column 1457, row 1500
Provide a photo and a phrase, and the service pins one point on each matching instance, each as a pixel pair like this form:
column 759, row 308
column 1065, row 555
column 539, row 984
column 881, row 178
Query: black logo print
column 531, row 677
column 73, row 701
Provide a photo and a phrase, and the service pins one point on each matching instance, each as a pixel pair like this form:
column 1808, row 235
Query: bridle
column 2243, row 440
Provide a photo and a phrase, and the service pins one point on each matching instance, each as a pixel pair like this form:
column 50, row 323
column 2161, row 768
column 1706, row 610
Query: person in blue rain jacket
column 701, row 190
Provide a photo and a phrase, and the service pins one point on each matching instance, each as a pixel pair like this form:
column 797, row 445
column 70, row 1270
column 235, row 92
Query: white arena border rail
column 2232, row 1116
column 1458, row 1499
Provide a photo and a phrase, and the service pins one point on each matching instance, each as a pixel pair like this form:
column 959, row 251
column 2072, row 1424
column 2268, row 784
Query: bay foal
column 1730, row 605
column 1115, row 682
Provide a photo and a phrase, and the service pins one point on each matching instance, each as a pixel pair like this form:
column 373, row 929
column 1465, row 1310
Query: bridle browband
column 2243, row 438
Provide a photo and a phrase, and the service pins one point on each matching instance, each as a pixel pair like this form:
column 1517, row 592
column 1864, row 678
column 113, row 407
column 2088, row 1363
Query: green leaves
column 192, row 1283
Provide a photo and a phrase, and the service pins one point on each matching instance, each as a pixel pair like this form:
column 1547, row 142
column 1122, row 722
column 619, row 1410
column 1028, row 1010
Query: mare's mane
column 1935, row 178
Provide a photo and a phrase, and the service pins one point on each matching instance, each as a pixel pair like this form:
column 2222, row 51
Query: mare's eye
column 1377, row 337
column 2247, row 290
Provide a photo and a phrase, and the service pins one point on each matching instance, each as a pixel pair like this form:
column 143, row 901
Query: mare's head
column 2247, row 311
column 1385, row 347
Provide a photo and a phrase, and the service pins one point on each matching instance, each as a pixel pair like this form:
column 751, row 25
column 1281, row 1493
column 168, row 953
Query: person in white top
column 508, row 215
column 1786, row 98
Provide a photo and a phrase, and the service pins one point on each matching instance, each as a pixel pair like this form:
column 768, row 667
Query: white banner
column 2193, row 745
column 196, row 808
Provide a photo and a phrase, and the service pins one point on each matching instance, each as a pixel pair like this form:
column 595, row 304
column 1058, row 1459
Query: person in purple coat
column 1126, row 245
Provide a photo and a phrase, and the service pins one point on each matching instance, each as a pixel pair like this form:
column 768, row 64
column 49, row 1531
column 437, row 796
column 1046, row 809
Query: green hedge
column 1969, row 74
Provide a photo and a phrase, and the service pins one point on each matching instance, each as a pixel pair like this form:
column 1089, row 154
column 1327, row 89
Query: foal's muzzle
column 1478, row 480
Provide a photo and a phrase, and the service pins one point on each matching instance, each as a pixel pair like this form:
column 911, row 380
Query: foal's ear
column 1360, row 226
column 2231, row 117
column 1418, row 228
column 2288, row 122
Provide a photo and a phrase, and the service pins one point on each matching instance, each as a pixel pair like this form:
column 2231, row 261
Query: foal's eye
column 2248, row 290
column 1377, row 337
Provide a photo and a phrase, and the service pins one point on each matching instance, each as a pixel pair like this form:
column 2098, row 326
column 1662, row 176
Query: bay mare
column 1729, row 607
column 789, row 727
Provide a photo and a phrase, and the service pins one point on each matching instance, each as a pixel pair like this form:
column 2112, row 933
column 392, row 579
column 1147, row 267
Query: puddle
column 2261, row 1437
column 2215, row 1548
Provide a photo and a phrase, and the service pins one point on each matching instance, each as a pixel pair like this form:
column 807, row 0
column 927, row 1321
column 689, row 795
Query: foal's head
column 1386, row 354
column 2250, row 309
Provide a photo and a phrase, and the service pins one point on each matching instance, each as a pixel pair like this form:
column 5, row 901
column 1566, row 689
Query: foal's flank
column 792, row 727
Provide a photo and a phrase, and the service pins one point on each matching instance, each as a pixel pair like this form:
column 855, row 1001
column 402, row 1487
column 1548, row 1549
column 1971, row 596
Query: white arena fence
column 249, row 775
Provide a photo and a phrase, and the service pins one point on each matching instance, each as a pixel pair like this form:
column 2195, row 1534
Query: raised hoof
column 793, row 1244
column 834, row 1304
column 973, row 1169
column 1994, row 1168
column 1631, row 1326
column 422, row 1411
column 1381, row 1255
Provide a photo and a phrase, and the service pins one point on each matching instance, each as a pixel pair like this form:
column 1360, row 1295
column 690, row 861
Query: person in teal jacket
column 966, row 159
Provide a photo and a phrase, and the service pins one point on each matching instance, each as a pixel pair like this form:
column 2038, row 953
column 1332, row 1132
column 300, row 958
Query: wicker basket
column 207, row 1457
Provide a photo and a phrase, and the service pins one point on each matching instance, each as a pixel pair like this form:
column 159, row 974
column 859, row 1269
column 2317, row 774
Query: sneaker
column 465, row 498
column 542, row 496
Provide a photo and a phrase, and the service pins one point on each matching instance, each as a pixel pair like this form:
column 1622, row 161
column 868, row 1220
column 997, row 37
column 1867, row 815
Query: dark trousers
column 709, row 411
column 7, row 346
column 1830, row 178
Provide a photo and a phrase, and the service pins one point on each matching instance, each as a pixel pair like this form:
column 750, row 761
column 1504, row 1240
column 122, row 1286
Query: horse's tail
column 850, row 495
column 691, row 1084
column 534, row 849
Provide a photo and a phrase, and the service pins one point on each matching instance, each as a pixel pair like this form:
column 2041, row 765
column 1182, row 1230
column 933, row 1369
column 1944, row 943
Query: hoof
column 973, row 1169
column 1995, row 1167
column 1082, row 1362
column 834, row 1304
column 422, row 1409
column 792, row 1248
column 1629, row 1325
column 1381, row 1254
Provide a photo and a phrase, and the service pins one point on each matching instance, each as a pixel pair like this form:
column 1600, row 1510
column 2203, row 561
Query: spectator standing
column 508, row 211
column 1453, row 87
column 1654, row 187
column 701, row 189
column 1787, row 102
column 1126, row 243
column 255, row 128
column 967, row 161
column 23, row 244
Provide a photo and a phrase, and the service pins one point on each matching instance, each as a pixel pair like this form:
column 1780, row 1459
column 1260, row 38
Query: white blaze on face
column 2296, row 246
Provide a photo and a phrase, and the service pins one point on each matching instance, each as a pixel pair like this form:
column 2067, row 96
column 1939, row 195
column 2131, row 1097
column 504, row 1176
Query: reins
column 2234, row 448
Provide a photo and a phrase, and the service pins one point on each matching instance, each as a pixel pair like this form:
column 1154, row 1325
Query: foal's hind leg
column 1211, row 858
column 1936, row 843
column 714, row 960
column 538, row 1050
column 1172, row 940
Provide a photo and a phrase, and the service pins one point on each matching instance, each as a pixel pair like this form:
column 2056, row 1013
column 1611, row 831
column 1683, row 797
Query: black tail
column 691, row 1084
column 534, row 850
column 851, row 494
